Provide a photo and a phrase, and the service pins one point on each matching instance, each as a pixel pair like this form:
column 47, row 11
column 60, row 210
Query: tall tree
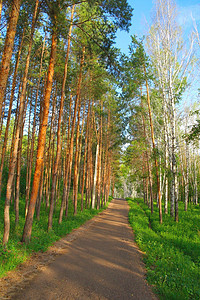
column 8, row 49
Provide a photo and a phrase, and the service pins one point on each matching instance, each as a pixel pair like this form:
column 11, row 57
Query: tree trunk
column 41, row 144
column 154, row 149
column 186, row 173
column 29, row 171
column 10, row 109
column 40, row 193
column 50, row 150
column 195, row 181
column 99, row 162
column 69, row 163
column 18, row 129
column 76, row 161
column 147, row 157
column 8, row 49
column 58, row 153
column 0, row 9
column 95, row 176
column 19, row 169
column 85, row 156
column 77, row 164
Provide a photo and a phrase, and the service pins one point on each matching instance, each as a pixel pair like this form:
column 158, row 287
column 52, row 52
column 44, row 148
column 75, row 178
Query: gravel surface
column 97, row 261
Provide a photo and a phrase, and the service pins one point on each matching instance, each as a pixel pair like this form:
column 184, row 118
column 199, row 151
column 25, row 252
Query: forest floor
column 100, row 260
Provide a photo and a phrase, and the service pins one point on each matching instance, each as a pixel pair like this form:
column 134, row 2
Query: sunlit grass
column 172, row 250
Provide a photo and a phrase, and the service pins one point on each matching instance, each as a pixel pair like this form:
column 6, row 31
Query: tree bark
column 17, row 133
column 29, row 172
column 8, row 49
column 58, row 153
column 41, row 144
column 154, row 149
column 77, row 164
column 19, row 154
column 186, row 172
column 0, row 9
column 85, row 156
column 69, row 163
column 10, row 110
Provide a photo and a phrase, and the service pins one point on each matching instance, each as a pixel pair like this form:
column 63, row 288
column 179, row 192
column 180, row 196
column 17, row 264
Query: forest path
column 100, row 262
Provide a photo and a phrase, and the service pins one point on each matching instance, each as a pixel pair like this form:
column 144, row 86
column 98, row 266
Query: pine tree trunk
column 40, row 193
column 77, row 164
column 50, row 149
column 18, row 129
column 85, row 156
column 8, row 49
column 29, row 170
column 69, row 163
column 76, row 161
column 58, row 153
column 41, row 144
column 0, row 9
column 99, row 168
column 10, row 110
column 95, row 176
column 17, row 194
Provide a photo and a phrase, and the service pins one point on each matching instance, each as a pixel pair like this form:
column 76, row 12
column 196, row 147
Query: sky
column 142, row 17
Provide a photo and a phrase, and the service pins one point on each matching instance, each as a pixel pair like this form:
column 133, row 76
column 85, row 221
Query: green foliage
column 17, row 252
column 172, row 250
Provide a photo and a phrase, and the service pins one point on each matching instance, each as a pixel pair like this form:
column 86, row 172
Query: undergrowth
column 172, row 250
column 17, row 252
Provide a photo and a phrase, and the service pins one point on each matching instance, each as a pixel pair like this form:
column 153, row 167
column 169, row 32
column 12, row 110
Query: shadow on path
column 102, row 262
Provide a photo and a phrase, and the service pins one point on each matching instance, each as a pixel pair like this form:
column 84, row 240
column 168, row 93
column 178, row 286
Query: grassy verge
column 172, row 250
column 16, row 252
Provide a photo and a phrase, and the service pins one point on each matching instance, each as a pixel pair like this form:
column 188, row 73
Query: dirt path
column 98, row 261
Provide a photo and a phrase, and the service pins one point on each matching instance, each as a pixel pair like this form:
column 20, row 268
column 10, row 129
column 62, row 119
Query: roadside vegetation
column 17, row 252
column 171, row 250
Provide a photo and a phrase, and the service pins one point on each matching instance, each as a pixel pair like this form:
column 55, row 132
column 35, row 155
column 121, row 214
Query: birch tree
column 171, row 61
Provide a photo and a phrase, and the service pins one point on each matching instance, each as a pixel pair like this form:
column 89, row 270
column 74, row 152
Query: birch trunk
column 186, row 174
column 154, row 149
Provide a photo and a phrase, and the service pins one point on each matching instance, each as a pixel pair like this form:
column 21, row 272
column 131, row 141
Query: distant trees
column 166, row 74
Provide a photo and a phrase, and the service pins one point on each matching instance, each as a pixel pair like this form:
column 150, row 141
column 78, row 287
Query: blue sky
column 142, row 14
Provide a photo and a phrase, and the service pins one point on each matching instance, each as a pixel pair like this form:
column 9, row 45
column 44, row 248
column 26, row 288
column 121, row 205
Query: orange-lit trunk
column 10, row 110
column 29, row 169
column 69, row 162
column 85, row 156
column 8, row 49
column 58, row 153
column 17, row 133
column 41, row 144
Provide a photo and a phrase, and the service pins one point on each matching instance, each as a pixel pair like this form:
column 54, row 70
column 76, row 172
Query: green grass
column 16, row 252
column 172, row 250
